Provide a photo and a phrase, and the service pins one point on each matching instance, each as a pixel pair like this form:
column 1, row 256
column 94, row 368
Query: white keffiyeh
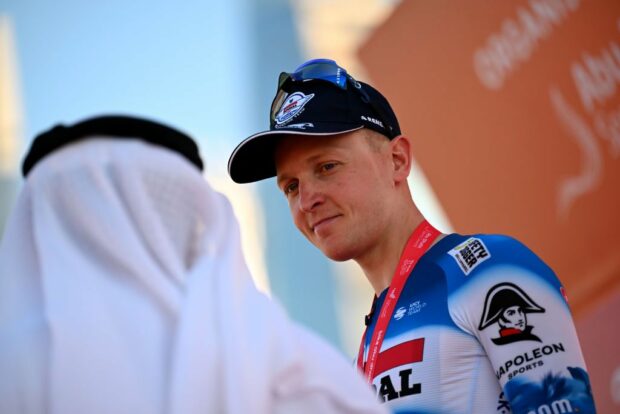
column 123, row 290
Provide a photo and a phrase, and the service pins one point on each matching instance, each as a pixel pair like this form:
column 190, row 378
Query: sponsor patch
column 292, row 106
column 507, row 305
column 469, row 254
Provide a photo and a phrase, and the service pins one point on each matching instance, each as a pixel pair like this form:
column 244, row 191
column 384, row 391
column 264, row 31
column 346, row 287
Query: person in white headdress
column 123, row 289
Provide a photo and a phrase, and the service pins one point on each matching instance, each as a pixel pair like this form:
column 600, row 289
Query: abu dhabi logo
column 508, row 305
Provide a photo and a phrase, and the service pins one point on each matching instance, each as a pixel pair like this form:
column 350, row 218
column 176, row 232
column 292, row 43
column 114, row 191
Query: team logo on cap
column 507, row 305
column 292, row 106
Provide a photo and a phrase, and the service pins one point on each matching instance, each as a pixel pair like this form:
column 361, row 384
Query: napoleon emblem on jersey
column 508, row 305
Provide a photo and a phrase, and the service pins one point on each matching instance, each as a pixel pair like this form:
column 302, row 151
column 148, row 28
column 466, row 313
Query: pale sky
column 184, row 63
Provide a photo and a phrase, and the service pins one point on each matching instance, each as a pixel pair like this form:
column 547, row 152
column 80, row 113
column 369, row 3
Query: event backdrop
column 514, row 111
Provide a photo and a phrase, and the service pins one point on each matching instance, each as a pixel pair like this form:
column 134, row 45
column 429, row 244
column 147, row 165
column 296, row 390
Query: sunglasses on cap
column 325, row 70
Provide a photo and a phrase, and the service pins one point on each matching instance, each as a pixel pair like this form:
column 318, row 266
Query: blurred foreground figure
column 123, row 289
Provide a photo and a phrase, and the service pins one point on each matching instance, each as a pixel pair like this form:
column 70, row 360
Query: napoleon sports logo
column 508, row 305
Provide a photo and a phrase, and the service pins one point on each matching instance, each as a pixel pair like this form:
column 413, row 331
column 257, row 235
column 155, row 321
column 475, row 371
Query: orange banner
column 514, row 112
column 515, row 116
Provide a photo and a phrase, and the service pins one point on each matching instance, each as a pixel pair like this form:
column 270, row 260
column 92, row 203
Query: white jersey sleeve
column 501, row 293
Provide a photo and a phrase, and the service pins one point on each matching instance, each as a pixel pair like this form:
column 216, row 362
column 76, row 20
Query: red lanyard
column 419, row 242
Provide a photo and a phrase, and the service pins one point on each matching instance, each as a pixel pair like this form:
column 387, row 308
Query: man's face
column 513, row 317
column 337, row 188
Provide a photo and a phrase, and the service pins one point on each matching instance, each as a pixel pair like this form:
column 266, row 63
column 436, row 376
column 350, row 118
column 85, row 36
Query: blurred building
column 10, row 120
column 299, row 276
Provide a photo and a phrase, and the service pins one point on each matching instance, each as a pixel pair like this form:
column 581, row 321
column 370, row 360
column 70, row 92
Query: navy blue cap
column 313, row 107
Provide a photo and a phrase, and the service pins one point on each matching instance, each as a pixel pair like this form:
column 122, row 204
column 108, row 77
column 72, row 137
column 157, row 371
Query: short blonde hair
column 375, row 139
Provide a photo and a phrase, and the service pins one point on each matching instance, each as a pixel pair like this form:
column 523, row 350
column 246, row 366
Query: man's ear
column 401, row 158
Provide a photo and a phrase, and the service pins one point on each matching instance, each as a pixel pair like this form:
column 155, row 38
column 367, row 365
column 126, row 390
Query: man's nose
column 310, row 196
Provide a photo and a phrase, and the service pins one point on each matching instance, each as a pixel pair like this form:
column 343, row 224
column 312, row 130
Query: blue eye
column 328, row 166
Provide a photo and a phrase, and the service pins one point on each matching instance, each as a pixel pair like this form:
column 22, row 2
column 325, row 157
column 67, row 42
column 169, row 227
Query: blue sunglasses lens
column 321, row 69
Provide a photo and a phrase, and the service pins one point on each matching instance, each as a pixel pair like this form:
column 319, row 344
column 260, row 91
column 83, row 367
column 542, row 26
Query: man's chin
column 337, row 255
column 333, row 248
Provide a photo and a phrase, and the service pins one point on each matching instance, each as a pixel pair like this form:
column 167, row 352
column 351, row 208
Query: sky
column 183, row 63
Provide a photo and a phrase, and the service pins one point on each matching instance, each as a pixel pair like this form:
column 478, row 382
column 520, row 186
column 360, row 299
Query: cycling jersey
column 482, row 326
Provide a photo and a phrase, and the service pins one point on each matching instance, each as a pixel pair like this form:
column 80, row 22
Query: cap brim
column 253, row 159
